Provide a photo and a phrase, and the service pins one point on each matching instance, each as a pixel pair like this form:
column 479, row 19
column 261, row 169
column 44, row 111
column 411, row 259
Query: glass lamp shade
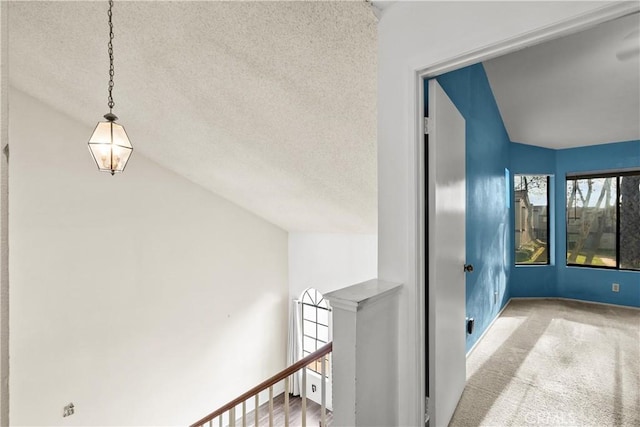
column 110, row 147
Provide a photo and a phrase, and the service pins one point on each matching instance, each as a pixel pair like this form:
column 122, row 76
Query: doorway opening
column 425, row 257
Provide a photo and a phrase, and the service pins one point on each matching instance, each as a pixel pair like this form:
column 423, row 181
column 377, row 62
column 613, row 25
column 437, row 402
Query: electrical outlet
column 68, row 410
column 615, row 287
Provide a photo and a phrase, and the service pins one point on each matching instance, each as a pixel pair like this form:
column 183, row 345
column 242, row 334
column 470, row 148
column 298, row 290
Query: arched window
column 315, row 326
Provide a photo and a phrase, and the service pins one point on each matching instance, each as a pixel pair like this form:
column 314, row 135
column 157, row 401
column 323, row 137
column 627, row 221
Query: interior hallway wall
column 328, row 262
column 411, row 36
column 4, row 215
column 141, row 298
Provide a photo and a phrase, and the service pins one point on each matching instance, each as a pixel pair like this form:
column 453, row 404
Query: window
column 531, row 198
column 315, row 327
column 603, row 220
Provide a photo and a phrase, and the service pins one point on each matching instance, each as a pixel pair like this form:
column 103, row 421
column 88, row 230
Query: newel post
column 365, row 354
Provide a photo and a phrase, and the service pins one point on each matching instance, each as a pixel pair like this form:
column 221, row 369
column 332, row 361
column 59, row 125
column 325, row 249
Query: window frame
column 548, row 261
column 315, row 302
column 595, row 175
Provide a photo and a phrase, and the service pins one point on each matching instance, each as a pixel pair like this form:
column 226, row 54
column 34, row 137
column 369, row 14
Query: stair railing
column 230, row 408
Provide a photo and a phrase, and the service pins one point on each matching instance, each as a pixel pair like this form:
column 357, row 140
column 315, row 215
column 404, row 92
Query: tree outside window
column 531, row 198
column 603, row 221
column 630, row 222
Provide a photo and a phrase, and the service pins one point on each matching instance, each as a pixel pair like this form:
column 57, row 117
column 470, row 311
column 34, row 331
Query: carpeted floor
column 555, row 363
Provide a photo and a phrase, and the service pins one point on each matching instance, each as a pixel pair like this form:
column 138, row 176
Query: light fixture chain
column 110, row 49
column 109, row 144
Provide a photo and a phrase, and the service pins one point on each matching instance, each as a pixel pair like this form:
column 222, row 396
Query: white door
column 446, row 201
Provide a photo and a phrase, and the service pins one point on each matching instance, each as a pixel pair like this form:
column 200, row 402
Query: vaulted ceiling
column 582, row 89
column 271, row 105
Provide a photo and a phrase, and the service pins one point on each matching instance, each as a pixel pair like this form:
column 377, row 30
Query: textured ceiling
column 572, row 91
column 271, row 105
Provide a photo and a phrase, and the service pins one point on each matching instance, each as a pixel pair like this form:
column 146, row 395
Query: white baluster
column 286, row 402
column 323, row 391
column 271, row 406
column 304, row 397
column 256, row 411
column 244, row 413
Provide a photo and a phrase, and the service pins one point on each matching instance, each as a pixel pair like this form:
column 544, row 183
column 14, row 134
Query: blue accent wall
column 534, row 280
column 491, row 162
column 558, row 280
column 592, row 284
column 488, row 223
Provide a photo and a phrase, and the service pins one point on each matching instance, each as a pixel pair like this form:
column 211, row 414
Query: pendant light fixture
column 109, row 144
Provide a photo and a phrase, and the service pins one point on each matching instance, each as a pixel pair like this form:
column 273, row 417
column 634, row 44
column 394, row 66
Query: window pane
column 322, row 302
column 309, row 344
column 314, row 366
column 315, row 325
column 323, row 334
column 323, row 316
column 309, row 329
column 630, row 222
column 309, row 312
column 306, row 298
column 591, row 221
column 531, row 219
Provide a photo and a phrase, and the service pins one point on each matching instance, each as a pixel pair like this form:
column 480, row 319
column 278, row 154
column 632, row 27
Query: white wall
column 328, row 262
column 4, row 217
column 141, row 298
column 412, row 36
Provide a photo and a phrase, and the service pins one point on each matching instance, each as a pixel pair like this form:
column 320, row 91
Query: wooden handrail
column 326, row 349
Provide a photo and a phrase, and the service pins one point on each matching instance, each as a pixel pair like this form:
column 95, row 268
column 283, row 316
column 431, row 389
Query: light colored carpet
column 555, row 363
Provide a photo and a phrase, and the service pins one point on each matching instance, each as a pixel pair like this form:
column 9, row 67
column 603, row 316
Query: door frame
column 417, row 172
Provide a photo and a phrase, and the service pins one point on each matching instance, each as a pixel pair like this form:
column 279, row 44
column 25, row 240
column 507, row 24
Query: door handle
column 468, row 268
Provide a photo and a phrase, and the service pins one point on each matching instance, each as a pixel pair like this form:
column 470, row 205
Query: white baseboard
column 542, row 298
column 576, row 300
